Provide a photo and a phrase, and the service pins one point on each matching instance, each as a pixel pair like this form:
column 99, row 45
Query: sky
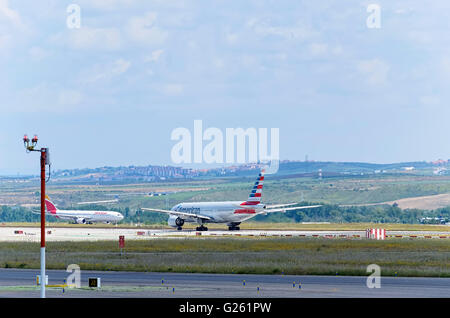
column 111, row 92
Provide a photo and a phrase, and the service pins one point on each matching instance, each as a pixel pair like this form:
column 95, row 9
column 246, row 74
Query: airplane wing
column 190, row 215
column 289, row 209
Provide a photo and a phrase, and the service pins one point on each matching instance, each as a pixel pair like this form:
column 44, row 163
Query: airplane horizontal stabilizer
column 39, row 212
column 279, row 205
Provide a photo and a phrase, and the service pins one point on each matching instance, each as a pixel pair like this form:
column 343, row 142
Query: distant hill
column 286, row 169
column 290, row 167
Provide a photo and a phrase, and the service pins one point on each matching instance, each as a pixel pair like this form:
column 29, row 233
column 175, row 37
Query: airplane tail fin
column 255, row 196
column 50, row 206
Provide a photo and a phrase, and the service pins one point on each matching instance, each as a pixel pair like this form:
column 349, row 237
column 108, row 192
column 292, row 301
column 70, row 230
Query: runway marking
column 128, row 288
column 81, row 234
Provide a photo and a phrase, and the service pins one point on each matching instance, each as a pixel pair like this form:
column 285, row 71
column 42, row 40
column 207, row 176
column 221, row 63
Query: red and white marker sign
column 121, row 241
column 376, row 234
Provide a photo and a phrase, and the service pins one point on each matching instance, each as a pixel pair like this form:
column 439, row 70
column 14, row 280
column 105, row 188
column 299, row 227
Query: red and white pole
column 43, row 278
column 44, row 161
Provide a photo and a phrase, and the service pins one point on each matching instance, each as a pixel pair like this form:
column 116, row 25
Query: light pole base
column 43, row 280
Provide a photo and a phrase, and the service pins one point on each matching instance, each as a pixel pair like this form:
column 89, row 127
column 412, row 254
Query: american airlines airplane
column 82, row 217
column 230, row 212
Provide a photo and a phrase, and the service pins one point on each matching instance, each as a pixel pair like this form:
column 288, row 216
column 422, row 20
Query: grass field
column 241, row 255
column 336, row 190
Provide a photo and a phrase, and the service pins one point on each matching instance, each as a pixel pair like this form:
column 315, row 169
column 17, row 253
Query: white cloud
column 318, row 48
column 445, row 63
column 5, row 41
column 249, row 61
column 92, row 38
column 376, row 71
column 12, row 27
column 105, row 72
column 37, row 53
column 69, row 97
column 324, row 50
column 403, row 10
column 43, row 97
column 430, row 100
column 154, row 56
column 111, row 5
column 108, row 4
column 231, row 38
column 173, row 89
column 9, row 15
column 337, row 50
column 143, row 30
column 218, row 63
column 120, row 66
column 264, row 28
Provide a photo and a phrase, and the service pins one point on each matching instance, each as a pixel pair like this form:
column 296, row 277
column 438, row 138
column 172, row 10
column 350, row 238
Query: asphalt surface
column 21, row 283
column 32, row 234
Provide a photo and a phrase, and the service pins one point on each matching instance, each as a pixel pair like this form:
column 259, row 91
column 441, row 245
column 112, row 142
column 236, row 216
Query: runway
column 94, row 234
column 19, row 283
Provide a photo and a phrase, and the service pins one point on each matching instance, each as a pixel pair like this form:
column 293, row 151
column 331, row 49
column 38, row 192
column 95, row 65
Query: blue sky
column 111, row 92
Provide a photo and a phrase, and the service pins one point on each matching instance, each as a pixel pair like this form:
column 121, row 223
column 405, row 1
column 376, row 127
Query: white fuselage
column 220, row 212
column 81, row 216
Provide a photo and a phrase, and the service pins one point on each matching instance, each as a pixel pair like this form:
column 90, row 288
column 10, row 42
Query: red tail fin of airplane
column 50, row 206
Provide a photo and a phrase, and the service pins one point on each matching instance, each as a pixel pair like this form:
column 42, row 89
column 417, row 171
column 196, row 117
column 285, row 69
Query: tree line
column 326, row 213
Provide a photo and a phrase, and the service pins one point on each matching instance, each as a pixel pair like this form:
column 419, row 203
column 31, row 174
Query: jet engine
column 81, row 221
column 175, row 221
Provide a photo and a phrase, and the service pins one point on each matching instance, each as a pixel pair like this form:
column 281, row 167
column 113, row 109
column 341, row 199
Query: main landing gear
column 201, row 228
column 234, row 227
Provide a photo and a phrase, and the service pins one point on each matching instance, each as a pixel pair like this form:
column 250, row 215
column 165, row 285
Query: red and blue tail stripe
column 255, row 195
